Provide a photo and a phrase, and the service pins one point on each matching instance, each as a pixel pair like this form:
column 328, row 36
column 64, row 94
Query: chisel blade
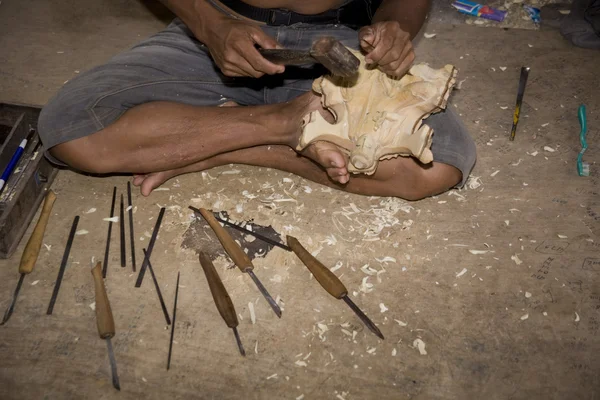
column 266, row 294
column 11, row 308
column 239, row 341
column 113, row 365
column 363, row 317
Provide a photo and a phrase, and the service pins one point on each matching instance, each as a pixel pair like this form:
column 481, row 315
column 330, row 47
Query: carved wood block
column 378, row 117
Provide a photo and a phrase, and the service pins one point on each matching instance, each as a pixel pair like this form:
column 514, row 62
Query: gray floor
column 500, row 281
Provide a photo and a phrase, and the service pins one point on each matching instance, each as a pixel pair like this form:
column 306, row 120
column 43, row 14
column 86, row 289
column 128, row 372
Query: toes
column 138, row 179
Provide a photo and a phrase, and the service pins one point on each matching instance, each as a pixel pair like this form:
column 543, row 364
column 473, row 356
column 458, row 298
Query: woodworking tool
column 112, row 212
column 15, row 159
column 520, row 93
column 173, row 326
column 140, row 277
column 583, row 168
column 32, row 250
column 329, row 281
column 324, row 276
column 105, row 321
column 122, row 229
column 63, row 265
column 221, row 298
column 258, row 235
column 160, row 298
column 238, row 256
column 130, row 207
column 326, row 51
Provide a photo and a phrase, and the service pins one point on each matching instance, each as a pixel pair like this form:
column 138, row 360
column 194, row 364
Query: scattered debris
column 401, row 323
column 429, row 35
column 516, row 259
column 271, row 376
column 301, row 363
column 461, row 273
column 394, row 352
column 112, row 219
column 549, row 149
column 577, row 317
column 252, row 314
column 34, row 283
column 91, row 210
column 524, row 317
column 382, row 307
column 420, row 345
column 478, row 251
column 81, row 232
column 527, row 294
column 93, row 306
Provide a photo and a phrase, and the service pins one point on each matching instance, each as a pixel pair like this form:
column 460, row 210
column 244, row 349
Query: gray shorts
column 173, row 66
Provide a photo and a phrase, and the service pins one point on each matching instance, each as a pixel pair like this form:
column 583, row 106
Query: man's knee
column 80, row 155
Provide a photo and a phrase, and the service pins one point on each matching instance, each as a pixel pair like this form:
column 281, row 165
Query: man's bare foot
column 327, row 154
column 149, row 182
column 330, row 157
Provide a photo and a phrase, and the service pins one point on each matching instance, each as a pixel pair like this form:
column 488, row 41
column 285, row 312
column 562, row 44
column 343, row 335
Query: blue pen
column 14, row 160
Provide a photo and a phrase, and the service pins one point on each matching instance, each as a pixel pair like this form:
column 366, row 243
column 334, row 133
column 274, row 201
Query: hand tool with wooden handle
column 326, row 51
column 104, row 320
column 329, row 281
column 221, row 298
column 32, row 250
column 237, row 255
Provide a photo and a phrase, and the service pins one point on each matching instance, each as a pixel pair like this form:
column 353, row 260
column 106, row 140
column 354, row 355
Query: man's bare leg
column 163, row 136
column 401, row 177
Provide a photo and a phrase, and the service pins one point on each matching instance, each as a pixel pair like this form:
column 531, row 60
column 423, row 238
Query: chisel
column 240, row 259
column 32, row 250
column 122, row 229
column 329, row 281
column 325, row 277
column 174, row 318
column 63, row 265
column 105, row 321
column 221, row 298
column 131, row 239
column 112, row 213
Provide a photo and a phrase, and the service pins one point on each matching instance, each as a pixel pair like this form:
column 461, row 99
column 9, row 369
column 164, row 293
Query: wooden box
column 27, row 185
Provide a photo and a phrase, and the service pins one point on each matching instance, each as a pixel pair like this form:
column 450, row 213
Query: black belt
column 354, row 14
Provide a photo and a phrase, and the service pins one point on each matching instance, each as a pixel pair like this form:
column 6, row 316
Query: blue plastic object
column 583, row 169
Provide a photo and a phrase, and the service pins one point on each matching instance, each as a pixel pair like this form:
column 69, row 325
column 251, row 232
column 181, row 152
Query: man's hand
column 232, row 46
column 388, row 47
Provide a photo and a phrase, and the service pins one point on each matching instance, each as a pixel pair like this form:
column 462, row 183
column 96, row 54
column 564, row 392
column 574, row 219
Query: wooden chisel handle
column 324, row 276
column 32, row 249
column 236, row 253
column 219, row 293
column 104, row 317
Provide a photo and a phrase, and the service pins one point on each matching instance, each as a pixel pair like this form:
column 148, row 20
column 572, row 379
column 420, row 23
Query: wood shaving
column 577, row 319
column 337, row 266
column 516, row 259
column 394, row 352
column 252, row 314
column 524, row 317
column 549, row 149
column 502, row 68
column 161, row 189
column 401, row 323
column 91, row 210
column 495, row 173
column 420, row 345
column 48, row 246
column 34, row 283
column 81, row 232
column 429, row 35
column 478, row 251
column 382, row 307
column 93, row 306
column 365, row 286
column 386, row 259
column 301, row 363
column 112, row 219
column 527, row 294
column 461, row 273
column 562, row 236
column 271, row 376
column 372, row 350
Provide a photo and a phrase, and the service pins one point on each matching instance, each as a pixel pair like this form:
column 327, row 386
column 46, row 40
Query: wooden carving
column 378, row 117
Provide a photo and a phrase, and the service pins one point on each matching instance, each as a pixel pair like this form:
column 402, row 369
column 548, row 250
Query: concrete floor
column 499, row 281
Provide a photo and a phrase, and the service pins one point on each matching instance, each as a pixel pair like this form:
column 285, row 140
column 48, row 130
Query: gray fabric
column 577, row 26
column 173, row 66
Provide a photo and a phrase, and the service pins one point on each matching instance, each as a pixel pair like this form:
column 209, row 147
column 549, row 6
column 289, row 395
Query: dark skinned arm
column 231, row 42
column 387, row 41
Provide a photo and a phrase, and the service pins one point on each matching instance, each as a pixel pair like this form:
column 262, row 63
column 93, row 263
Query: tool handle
column 236, row 253
column 104, row 317
column 324, row 276
column 218, row 291
column 32, row 249
column 286, row 57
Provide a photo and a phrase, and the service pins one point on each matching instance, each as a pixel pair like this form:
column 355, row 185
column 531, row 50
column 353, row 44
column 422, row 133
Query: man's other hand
column 388, row 47
column 232, row 46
